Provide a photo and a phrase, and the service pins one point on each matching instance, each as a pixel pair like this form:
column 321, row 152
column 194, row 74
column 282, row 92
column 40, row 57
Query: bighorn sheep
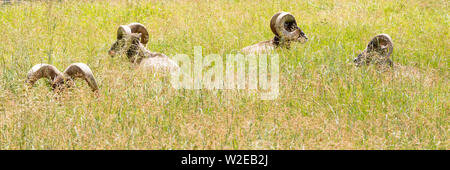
column 285, row 28
column 131, row 40
column 58, row 79
column 378, row 51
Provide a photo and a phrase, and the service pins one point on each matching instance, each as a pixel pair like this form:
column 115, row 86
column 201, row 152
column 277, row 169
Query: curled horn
column 381, row 43
column 81, row 70
column 122, row 31
column 48, row 71
column 283, row 24
column 133, row 28
column 272, row 23
column 139, row 28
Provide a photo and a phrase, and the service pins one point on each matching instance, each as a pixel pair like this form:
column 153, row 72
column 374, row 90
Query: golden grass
column 324, row 103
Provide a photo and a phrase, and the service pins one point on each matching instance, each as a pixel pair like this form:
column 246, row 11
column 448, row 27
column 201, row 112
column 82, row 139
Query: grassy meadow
column 325, row 102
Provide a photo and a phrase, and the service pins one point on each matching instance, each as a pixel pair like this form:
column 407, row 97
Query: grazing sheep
column 378, row 51
column 58, row 79
column 286, row 31
column 131, row 40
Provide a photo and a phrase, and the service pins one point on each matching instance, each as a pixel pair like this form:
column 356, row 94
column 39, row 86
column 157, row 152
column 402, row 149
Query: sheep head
column 378, row 51
column 284, row 26
column 62, row 80
column 127, row 35
column 128, row 45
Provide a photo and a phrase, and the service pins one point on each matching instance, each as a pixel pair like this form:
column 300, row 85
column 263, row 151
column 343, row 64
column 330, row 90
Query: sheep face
column 123, row 45
column 135, row 45
column 58, row 83
column 300, row 36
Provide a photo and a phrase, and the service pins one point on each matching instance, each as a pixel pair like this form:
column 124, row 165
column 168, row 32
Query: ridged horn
column 283, row 24
column 122, row 31
column 48, row 71
column 81, row 70
column 139, row 28
column 381, row 42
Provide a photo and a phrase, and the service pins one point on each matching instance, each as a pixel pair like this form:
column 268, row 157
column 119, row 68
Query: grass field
column 325, row 102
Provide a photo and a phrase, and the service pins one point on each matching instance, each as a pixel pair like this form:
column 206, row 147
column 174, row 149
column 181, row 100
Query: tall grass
column 324, row 103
